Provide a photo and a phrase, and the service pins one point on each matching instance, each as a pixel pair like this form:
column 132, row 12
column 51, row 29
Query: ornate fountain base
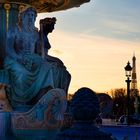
column 42, row 122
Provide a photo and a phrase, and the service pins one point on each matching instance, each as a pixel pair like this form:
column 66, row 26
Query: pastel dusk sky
column 95, row 41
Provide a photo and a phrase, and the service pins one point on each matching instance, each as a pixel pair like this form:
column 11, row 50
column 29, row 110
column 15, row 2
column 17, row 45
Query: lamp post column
column 128, row 70
column 128, row 99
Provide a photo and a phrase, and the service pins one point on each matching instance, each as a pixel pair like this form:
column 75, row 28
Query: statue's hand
column 30, row 62
column 33, row 62
column 26, row 61
column 21, row 61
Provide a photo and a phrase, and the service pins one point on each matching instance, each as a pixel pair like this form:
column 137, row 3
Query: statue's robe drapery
column 28, row 72
column 25, row 84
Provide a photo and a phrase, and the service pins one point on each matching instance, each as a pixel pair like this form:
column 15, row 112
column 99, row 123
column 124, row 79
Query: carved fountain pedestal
column 42, row 120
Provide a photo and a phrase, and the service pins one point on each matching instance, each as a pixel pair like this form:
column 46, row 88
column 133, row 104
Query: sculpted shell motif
column 46, row 114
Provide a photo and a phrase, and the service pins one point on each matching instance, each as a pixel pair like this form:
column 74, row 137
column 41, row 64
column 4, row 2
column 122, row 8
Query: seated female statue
column 27, row 71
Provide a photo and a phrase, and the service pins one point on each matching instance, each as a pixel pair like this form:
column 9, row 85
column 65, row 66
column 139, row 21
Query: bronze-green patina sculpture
column 28, row 71
column 33, row 83
column 24, row 66
column 37, row 99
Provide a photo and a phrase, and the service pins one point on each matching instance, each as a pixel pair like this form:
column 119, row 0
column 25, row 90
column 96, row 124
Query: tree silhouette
column 119, row 97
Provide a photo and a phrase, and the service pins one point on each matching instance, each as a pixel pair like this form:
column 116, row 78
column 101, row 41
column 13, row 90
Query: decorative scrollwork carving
column 46, row 114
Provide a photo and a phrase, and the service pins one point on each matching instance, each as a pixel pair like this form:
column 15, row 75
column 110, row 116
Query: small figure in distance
column 98, row 120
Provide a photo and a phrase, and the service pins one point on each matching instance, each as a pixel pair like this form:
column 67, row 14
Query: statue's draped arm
column 42, row 44
column 10, row 51
column 38, row 47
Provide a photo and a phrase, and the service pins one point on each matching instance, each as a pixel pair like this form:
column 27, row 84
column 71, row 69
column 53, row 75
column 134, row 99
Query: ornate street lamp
column 128, row 70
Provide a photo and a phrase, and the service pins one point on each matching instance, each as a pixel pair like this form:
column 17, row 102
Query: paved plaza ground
column 131, row 132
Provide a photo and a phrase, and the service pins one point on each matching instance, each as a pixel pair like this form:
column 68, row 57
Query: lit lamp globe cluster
column 128, row 70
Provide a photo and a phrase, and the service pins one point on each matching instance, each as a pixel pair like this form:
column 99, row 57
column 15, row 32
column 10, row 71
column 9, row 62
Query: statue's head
column 48, row 24
column 85, row 105
column 27, row 16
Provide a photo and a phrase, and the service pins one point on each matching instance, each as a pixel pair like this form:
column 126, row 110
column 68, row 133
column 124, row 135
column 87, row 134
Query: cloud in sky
column 116, row 19
column 96, row 62
column 108, row 18
column 96, row 40
column 57, row 52
column 117, row 29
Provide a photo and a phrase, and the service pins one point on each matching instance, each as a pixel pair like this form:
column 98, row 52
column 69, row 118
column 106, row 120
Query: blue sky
column 109, row 18
column 96, row 40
